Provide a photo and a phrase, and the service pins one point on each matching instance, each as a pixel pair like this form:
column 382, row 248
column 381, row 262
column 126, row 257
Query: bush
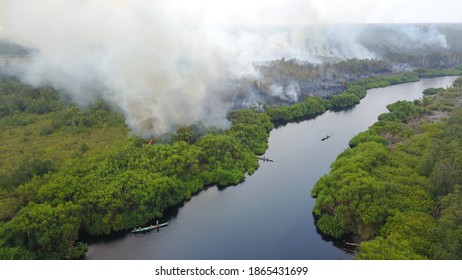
column 344, row 100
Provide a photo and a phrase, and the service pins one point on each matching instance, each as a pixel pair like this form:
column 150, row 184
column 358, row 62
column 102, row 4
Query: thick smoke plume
column 163, row 65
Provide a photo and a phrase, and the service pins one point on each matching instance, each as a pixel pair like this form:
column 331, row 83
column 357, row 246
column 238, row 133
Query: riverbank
column 127, row 186
column 267, row 216
column 351, row 96
column 397, row 188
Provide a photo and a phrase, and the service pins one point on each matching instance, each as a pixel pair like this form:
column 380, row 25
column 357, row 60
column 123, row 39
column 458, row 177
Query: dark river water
column 268, row 216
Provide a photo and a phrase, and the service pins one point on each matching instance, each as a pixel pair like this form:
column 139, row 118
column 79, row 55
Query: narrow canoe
column 151, row 227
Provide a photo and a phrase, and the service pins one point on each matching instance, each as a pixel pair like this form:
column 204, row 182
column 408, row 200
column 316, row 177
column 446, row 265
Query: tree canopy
column 66, row 170
column 397, row 188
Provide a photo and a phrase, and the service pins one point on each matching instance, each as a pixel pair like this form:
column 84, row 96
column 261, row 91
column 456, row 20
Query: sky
column 324, row 11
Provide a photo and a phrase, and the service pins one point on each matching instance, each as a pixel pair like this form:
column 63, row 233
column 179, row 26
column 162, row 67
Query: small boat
column 151, row 227
column 265, row 159
column 325, row 138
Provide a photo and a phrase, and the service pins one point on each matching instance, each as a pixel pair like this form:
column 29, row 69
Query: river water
column 268, row 216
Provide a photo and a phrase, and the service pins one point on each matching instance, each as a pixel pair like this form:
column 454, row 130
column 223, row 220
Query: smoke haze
column 167, row 63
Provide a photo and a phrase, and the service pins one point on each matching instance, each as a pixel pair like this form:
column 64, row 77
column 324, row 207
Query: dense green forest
column 398, row 189
column 67, row 170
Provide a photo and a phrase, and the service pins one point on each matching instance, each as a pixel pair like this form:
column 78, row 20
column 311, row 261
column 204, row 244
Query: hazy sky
column 322, row 11
column 248, row 12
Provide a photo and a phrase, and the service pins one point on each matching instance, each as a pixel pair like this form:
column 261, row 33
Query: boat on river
column 265, row 159
column 148, row 228
column 325, row 138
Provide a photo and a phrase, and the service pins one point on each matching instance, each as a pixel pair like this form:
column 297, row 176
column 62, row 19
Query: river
column 268, row 216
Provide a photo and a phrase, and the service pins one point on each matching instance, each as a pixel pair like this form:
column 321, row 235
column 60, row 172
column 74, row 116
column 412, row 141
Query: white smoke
column 290, row 92
column 159, row 69
column 404, row 37
column 166, row 63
